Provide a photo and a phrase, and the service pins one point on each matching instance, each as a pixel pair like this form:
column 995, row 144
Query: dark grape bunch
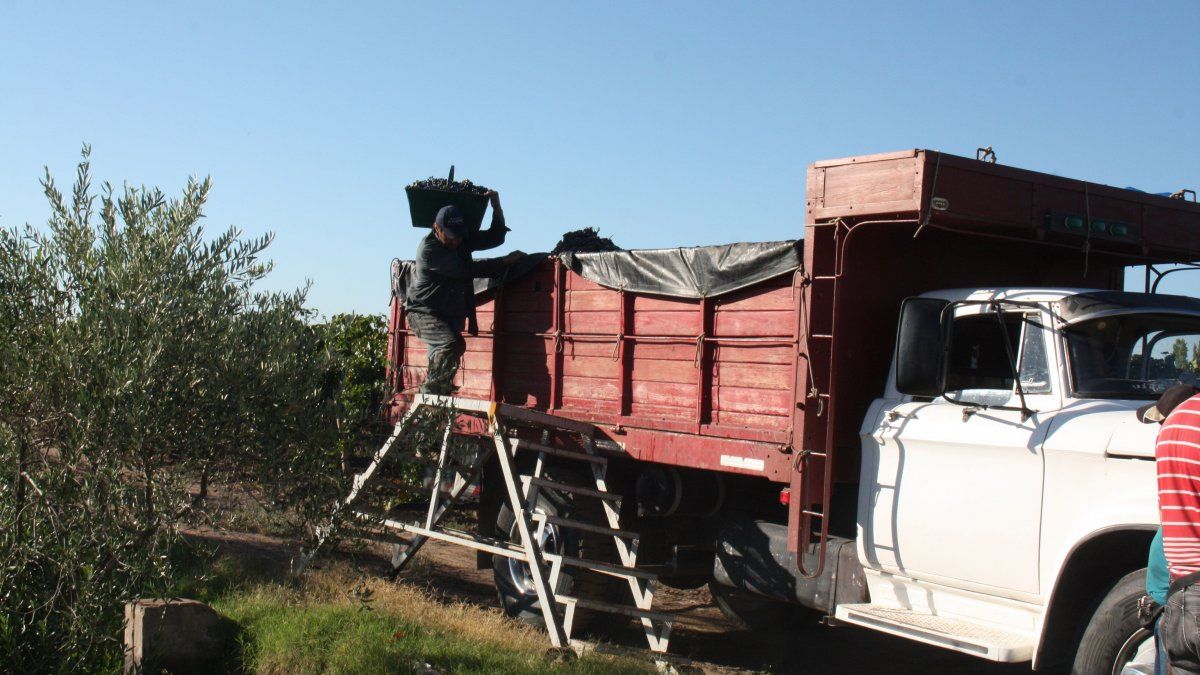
column 432, row 183
column 587, row 240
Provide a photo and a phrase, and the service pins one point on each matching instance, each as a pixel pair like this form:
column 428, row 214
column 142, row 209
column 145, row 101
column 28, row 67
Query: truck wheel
column 747, row 611
column 513, row 580
column 1114, row 642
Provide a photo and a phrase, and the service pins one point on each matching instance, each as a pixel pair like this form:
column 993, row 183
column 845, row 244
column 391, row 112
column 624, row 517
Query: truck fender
column 1091, row 568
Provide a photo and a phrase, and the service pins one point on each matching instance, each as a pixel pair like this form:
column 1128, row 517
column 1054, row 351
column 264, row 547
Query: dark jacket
column 443, row 279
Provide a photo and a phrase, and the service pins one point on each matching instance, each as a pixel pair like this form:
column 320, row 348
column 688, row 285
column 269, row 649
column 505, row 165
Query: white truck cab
column 1007, row 489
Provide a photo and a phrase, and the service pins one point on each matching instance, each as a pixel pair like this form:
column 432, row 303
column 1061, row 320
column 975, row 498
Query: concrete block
column 175, row 635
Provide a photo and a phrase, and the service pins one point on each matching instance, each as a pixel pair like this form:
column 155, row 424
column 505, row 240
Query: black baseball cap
column 1170, row 399
column 450, row 219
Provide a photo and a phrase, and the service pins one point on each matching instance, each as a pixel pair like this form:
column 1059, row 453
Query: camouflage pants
column 446, row 347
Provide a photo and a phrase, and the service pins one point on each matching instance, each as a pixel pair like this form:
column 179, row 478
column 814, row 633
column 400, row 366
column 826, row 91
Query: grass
column 337, row 620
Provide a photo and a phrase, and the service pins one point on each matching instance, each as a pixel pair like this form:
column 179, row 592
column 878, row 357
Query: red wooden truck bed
column 773, row 380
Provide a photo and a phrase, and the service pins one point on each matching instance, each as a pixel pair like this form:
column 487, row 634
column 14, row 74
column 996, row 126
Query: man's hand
column 513, row 257
column 494, row 198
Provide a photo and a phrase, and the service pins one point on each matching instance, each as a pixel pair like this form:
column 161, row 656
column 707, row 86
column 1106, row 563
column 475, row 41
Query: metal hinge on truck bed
column 558, row 610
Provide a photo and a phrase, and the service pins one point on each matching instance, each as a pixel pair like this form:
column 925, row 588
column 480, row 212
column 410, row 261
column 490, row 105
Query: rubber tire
column 524, row 606
column 749, row 612
column 1111, row 625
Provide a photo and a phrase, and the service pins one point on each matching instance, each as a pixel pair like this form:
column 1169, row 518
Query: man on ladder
column 441, row 298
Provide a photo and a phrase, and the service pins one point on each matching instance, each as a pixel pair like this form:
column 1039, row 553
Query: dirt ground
column 704, row 640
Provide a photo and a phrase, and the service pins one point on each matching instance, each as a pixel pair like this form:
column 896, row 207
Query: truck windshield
column 1135, row 356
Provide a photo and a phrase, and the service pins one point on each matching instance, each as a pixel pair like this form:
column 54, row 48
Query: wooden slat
column 751, row 420
column 757, row 401
column 591, row 405
column 649, row 303
column 667, row 323
column 757, row 299
column 650, row 410
column 591, row 301
column 756, row 324
column 591, row 366
column 607, row 323
column 526, row 322
column 590, row 387
column 656, row 370
column 679, row 395
column 751, row 376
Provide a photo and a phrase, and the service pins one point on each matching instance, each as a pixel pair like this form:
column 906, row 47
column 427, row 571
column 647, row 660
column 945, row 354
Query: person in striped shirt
column 1177, row 454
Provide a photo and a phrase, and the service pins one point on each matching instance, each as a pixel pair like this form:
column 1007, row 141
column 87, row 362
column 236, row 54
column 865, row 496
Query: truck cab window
column 1134, row 357
column 1035, row 364
column 979, row 370
column 978, row 356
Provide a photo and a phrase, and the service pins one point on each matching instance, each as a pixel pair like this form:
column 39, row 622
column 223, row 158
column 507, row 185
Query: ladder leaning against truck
column 918, row 419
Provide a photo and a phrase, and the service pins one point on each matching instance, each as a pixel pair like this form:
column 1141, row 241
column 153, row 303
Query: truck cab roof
column 1080, row 304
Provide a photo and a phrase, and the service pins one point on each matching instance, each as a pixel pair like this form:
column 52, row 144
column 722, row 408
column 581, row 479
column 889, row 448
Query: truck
column 917, row 418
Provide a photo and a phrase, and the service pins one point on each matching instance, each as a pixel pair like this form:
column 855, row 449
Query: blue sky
column 661, row 123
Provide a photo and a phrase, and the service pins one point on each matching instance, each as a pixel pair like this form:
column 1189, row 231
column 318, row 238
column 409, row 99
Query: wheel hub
column 548, row 541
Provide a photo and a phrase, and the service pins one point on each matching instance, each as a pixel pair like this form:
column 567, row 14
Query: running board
column 989, row 643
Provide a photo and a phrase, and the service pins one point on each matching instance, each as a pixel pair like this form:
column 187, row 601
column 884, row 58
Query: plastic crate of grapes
column 427, row 197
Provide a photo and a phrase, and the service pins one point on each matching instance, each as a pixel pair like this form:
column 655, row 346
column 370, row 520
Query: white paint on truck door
column 954, row 493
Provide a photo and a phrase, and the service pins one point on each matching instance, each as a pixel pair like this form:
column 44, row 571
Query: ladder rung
column 587, row 527
column 559, row 452
column 573, row 489
column 614, row 609
column 814, row 514
column 603, row 568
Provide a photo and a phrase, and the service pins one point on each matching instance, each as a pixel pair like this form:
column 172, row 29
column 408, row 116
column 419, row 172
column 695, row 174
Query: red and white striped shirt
column 1178, row 457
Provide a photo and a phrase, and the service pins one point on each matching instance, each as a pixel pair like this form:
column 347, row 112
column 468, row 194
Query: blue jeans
column 1161, row 660
column 446, row 346
column 1180, row 629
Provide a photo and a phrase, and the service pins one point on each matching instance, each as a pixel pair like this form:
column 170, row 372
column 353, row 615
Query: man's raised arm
column 494, row 235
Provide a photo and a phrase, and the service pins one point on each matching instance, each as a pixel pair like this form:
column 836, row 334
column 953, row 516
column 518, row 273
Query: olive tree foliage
column 135, row 352
column 359, row 345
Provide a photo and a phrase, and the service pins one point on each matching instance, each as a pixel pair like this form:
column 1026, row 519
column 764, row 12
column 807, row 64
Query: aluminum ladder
column 503, row 423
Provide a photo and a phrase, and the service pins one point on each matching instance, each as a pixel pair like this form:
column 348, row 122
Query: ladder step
column 614, row 608
column 586, row 527
column 507, row 412
column 573, row 489
column 602, row 568
column 559, row 452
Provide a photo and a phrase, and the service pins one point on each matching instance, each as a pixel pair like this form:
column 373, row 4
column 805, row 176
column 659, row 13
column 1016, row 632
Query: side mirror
column 921, row 348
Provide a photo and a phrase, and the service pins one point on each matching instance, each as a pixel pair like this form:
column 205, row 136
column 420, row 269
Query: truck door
column 954, row 483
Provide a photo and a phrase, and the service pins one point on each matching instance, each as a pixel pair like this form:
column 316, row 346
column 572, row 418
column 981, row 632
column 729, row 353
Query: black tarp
column 697, row 272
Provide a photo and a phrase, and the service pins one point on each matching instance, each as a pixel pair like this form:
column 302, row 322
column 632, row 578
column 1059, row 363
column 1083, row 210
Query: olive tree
column 137, row 351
